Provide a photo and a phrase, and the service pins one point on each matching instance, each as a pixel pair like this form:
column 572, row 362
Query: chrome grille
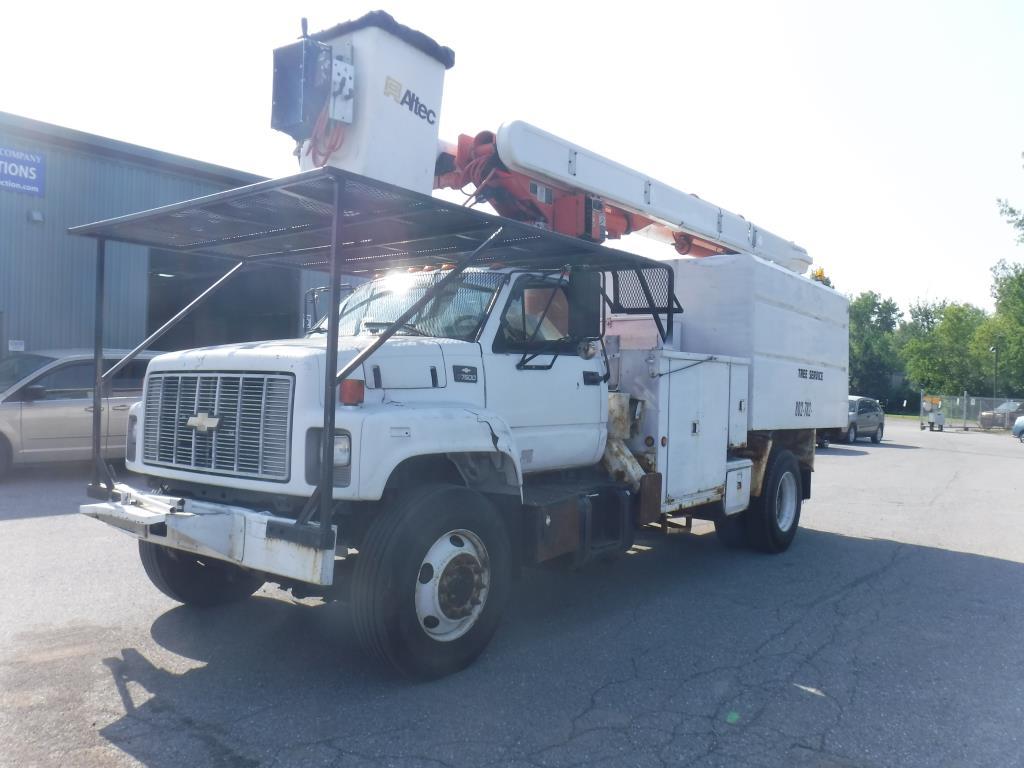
column 251, row 439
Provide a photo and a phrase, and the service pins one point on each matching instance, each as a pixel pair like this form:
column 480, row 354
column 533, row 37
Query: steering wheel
column 464, row 326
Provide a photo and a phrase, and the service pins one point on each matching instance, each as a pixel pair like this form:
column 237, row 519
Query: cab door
column 867, row 417
column 554, row 400
column 57, row 426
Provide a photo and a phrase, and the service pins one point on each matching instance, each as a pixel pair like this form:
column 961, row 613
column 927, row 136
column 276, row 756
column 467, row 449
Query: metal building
column 52, row 178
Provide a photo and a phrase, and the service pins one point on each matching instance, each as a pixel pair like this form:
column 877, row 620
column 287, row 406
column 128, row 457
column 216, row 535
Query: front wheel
column 195, row 580
column 431, row 581
column 773, row 519
column 851, row 434
column 877, row 437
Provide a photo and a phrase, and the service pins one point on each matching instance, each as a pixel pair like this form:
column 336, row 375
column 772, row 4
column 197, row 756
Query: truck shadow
column 678, row 626
column 845, row 449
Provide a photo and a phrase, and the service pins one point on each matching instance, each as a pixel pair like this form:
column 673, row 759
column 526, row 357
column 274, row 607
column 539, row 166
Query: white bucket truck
column 501, row 391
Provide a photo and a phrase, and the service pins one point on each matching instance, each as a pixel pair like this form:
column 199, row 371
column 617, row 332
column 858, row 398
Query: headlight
column 342, row 450
column 133, row 422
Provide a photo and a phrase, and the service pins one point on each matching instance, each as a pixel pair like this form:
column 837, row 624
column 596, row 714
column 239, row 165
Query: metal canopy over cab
column 340, row 222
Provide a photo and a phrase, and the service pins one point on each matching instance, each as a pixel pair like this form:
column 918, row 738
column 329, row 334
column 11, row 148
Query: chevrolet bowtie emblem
column 203, row 422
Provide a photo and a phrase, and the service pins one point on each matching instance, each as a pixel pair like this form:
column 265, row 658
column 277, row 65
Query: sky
column 877, row 135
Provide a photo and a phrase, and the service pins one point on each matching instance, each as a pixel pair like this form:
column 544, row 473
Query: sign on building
column 22, row 171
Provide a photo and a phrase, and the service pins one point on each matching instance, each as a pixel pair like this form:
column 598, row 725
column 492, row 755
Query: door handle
column 120, row 408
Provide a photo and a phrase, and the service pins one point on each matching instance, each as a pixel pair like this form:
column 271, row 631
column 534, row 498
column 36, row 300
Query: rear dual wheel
column 771, row 521
column 431, row 581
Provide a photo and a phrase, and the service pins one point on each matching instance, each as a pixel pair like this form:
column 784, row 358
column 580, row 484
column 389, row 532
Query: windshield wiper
column 382, row 324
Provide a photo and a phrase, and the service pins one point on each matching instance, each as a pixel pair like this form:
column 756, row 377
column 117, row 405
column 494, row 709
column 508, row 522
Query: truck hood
column 403, row 362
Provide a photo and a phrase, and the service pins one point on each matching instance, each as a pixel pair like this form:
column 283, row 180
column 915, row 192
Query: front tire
column 772, row 521
column 431, row 581
column 851, row 434
column 877, row 437
column 194, row 580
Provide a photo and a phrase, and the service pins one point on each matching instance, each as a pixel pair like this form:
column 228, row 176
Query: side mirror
column 587, row 349
column 32, row 393
column 585, row 303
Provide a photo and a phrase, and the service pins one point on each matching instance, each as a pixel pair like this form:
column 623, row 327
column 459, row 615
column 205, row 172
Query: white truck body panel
column 794, row 331
column 686, row 418
column 737, row 485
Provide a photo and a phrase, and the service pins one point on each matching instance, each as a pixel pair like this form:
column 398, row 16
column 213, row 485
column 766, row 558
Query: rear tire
column 877, row 437
column 196, row 581
column 431, row 581
column 772, row 521
column 851, row 434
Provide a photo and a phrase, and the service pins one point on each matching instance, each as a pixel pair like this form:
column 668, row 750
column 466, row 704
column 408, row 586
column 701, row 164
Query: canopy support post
column 102, row 478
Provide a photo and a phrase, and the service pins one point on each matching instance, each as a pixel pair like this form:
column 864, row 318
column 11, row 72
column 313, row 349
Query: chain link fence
column 969, row 412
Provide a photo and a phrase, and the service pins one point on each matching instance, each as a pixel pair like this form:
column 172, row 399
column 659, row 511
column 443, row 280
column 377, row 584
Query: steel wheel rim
column 452, row 585
column 785, row 502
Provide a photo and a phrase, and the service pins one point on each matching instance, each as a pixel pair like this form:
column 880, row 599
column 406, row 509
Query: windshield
column 456, row 312
column 853, row 406
column 18, row 365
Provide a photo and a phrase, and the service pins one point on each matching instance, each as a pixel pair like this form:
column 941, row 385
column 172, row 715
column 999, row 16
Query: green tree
column 943, row 355
column 874, row 361
column 1006, row 329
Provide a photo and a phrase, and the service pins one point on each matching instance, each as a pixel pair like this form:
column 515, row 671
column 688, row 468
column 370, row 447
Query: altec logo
column 406, row 98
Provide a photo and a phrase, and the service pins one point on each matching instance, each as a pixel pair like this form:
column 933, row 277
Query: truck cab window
column 538, row 313
column 457, row 312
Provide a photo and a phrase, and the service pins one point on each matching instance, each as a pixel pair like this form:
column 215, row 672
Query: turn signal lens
column 351, row 391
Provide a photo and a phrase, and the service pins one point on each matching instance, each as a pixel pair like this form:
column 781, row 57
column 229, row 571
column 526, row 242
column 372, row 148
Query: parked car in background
column 865, row 418
column 1018, row 428
column 46, row 406
column 1002, row 416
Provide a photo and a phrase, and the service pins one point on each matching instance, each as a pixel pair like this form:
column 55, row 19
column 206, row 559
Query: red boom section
column 567, row 211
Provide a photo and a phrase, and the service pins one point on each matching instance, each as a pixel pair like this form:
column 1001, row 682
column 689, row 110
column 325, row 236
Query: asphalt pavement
column 890, row 634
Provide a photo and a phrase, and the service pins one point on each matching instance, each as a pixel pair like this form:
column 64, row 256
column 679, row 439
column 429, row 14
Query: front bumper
column 249, row 538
